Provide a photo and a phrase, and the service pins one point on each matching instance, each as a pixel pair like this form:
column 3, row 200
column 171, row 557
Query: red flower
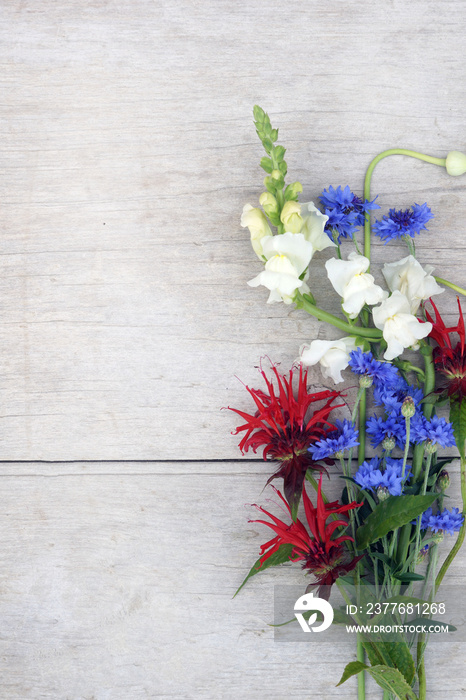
column 322, row 556
column 450, row 358
column 282, row 426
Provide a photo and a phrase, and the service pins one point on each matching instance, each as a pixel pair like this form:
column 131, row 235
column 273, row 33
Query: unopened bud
column 437, row 537
column 383, row 493
column 365, row 381
column 431, row 447
column 268, row 203
column 388, row 443
column 443, row 480
column 422, row 554
column 276, row 174
column 408, row 407
column 455, row 163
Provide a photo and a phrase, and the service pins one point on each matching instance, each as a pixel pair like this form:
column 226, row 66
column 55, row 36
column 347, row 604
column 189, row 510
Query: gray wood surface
column 128, row 151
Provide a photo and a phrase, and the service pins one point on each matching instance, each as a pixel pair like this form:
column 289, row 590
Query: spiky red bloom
column 450, row 358
column 322, row 556
column 283, row 427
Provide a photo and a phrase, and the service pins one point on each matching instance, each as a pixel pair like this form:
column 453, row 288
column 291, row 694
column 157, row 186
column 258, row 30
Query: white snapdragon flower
column 401, row 329
column 333, row 356
column 256, row 221
column 411, row 279
column 351, row 281
column 288, row 255
column 313, row 226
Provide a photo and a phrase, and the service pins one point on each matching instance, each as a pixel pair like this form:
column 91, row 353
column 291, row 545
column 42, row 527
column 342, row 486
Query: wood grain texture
column 117, row 582
column 128, row 152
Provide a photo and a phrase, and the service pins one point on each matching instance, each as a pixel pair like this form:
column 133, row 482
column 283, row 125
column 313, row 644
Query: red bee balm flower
column 450, row 359
column 322, row 556
column 282, row 426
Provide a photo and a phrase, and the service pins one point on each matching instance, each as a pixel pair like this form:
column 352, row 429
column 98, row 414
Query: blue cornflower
column 446, row 520
column 345, row 211
column 403, row 223
column 370, row 477
column 380, row 428
column 437, row 430
column 363, row 363
column 343, row 438
column 392, row 397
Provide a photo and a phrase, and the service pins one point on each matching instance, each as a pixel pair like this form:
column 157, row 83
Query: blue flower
column 393, row 426
column 446, row 520
column 437, row 430
column 343, row 438
column 392, row 397
column 363, row 363
column 370, row 477
column 403, row 223
column 345, row 211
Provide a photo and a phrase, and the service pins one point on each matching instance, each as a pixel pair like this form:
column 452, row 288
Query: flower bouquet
column 379, row 544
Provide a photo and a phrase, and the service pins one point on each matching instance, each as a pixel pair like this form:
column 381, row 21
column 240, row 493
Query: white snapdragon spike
column 256, row 221
column 401, row 329
column 313, row 227
column 351, row 281
column 411, row 279
column 333, row 356
column 288, row 256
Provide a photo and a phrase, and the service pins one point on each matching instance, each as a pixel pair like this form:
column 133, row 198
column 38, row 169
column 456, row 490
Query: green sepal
column 391, row 514
column 281, row 556
column 279, row 152
column 266, row 164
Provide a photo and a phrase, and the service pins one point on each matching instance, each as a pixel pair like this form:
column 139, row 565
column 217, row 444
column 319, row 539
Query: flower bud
column 431, row 447
column 255, row 220
column 389, row 443
column 443, row 481
column 455, row 163
column 365, row 381
column 268, row 203
column 422, row 554
column 383, row 493
column 408, row 407
column 276, row 174
column 437, row 537
column 291, row 217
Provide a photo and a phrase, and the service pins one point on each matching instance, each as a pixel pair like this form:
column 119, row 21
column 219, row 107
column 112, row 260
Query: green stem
column 370, row 333
column 456, row 287
column 367, row 183
column 459, row 541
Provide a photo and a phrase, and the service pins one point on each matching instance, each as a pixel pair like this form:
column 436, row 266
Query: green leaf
column 281, row 556
column 408, row 577
column 458, row 419
column 431, row 624
column 391, row 514
column 352, row 669
column 392, row 680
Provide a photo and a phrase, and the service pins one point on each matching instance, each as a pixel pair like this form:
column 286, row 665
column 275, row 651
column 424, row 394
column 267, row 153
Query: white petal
column 293, row 245
column 314, row 225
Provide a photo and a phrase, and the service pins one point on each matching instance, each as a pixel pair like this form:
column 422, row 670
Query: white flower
column 257, row 223
column 351, row 281
column 333, row 355
column 288, row 255
column 400, row 328
column 411, row 279
column 313, row 227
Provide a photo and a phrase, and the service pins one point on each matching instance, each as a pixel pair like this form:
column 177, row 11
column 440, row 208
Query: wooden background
column 127, row 154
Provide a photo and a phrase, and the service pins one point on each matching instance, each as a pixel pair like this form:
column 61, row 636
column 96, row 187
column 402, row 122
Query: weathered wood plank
column 117, row 582
column 128, row 151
